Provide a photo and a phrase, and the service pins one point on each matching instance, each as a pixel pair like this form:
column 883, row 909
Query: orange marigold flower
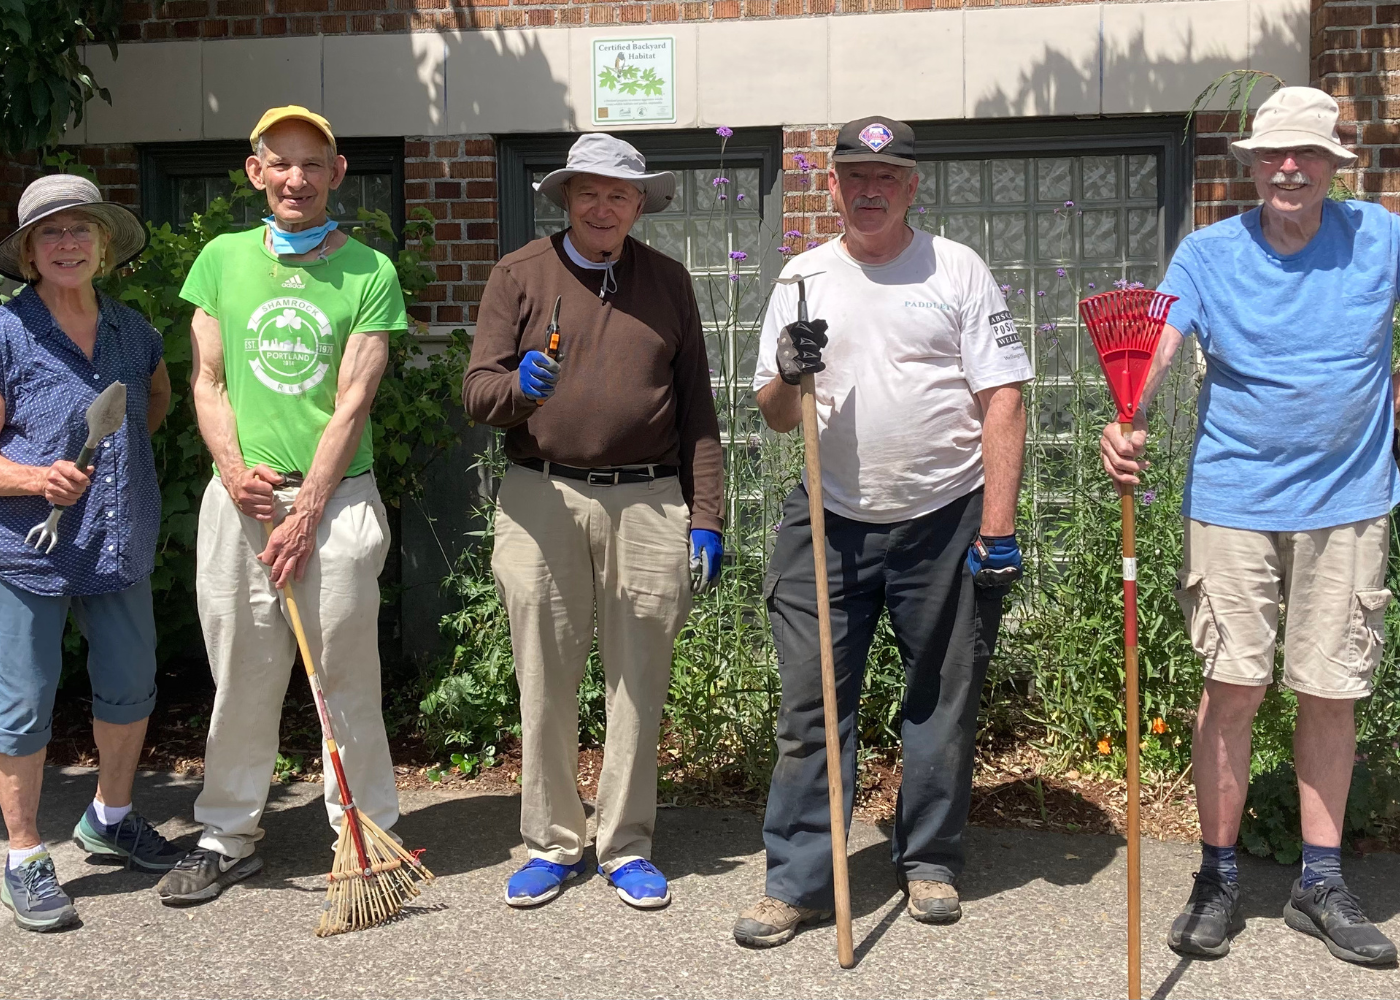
column 1159, row 726
column 1104, row 748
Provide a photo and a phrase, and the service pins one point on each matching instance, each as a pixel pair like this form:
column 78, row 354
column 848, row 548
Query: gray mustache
column 876, row 202
column 1296, row 177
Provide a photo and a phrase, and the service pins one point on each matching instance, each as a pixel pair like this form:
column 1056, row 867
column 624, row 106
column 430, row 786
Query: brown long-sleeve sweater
column 634, row 382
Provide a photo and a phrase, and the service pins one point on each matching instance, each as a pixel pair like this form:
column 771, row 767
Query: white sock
column 23, row 854
column 110, row 815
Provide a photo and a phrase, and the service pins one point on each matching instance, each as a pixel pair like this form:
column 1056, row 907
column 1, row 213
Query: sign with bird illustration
column 634, row 80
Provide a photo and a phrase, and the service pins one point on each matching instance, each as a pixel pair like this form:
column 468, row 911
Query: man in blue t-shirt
column 1287, row 500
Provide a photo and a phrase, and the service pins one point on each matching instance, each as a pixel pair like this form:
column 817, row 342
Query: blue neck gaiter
column 303, row 241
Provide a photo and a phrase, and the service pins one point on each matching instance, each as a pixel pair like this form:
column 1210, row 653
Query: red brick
column 1380, row 135
column 476, row 210
column 274, row 26
column 173, row 10
column 214, row 28
column 633, row 13
column 425, row 169
column 665, row 12
column 948, row 4
column 449, row 314
column 445, row 149
column 852, row 6
column 826, row 137
column 423, row 314
column 416, row 148
column 362, row 24
column 481, row 189
column 541, row 18
column 479, row 272
column 239, row 8
column 415, row 191
column 1335, row 39
column 92, row 156
column 186, row 29
column 918, row 4
column 438, row 209
column 798, row 139
column 476, row 251
column 695, row 11
column 574, row 15
column 447, row 189
column 725, row 9
column 1333, row 14
column 244, row 27
column 1391, row 202
column 332, row 25
column 393, row 22
column 757, row 8
column 449, row 272
column 1388, row 14
column 481, row 231
column 302, row 6
column 473, row 168
column 129, row 32
column 447, row 231
column 478, row 147
column 136, row 10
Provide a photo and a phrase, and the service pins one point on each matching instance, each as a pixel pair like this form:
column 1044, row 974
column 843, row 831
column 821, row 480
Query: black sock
column 1320, row 863
column 1219, row 861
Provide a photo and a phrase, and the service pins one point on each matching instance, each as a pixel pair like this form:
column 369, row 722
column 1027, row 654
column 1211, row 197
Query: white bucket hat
column 1294, row 117
column 608, row 156
column 58, row 193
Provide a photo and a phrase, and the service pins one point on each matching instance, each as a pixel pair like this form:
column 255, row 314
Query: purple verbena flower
column 724, row 132
column 1020, row 291
column 812, row 244
column 1121, row 283
column 724, row 197
column 792, row 234
column 740, row 196
column 1091, row 284
column 1005, row 289
column 1060, row 272
column 784, row 249
column 1040, row 294
column 733, row 277
column 922, row 210
column 1046, row 328
column 1148, row 497
column 1069, row 204
column 800, row 162
column 719, row 180
column 1136, row 285
column 738, row 255
column 840, row 223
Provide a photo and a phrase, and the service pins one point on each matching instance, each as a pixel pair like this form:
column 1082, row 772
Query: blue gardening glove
column 538, row 373
column 706, row 557
column 994, row 562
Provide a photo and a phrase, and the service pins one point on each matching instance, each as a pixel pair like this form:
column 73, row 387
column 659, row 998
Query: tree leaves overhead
column 44, row 81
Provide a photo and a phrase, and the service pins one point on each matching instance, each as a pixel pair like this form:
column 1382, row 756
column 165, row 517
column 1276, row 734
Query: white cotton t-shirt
column 910, row 342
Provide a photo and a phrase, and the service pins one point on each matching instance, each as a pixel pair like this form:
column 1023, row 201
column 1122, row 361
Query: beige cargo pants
column 565, row 552
column 252, row 650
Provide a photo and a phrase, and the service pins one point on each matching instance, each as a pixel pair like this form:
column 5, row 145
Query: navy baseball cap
column 883, row 140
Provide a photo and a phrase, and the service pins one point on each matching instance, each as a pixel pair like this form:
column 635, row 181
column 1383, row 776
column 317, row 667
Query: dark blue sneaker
column 32, row 891
column 539, row 881
column 639, row 883
column 133, row 841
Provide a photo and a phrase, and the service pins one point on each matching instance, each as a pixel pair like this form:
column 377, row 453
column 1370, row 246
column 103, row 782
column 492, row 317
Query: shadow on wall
column 1059, row 83
column 469, row 80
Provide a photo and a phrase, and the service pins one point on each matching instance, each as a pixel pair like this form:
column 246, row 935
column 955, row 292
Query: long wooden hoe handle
column 1130, row 670
column 845, row 949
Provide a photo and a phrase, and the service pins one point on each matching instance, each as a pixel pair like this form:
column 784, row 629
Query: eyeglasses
column 83, row 232
column 1305, row 155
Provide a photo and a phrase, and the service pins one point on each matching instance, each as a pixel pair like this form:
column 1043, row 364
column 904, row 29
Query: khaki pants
column 252, row 650
column 1332, row 582
column 565, row 551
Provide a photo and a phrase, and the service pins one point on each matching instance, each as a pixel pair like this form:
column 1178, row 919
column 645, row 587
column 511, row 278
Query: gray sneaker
column 32, row 891
column 133, row 842
column 202, row 874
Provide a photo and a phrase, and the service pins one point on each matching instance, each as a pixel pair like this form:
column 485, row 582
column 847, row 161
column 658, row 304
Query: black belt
column 603, row 477
column 298, row 479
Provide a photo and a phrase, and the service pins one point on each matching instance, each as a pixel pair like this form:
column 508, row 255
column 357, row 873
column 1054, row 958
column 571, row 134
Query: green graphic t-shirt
column 284, row 328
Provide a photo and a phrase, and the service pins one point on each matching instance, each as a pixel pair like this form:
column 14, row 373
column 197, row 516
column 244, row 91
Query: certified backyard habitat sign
column 634, row 80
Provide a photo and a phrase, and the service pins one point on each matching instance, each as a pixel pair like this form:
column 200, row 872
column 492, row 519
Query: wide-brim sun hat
column 1291, row 118
column 608, row 156
column 63, row 192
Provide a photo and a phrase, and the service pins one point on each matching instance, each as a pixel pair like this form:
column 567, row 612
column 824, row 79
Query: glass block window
column 713, row 217
column 1053, row 229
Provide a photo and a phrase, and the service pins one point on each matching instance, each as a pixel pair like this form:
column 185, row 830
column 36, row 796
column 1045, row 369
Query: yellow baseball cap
column 292, row 112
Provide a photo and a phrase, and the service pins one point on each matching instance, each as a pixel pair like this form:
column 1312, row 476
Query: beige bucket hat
column 608, row 156
column 1293, row 117
column 58, row 192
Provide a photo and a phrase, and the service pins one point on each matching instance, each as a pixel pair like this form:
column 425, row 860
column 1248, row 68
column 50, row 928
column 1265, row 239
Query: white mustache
column 1296, row 177
column 875, row 202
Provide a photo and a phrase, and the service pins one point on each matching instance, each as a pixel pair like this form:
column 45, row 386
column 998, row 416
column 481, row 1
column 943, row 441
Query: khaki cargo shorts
column 1330, row 581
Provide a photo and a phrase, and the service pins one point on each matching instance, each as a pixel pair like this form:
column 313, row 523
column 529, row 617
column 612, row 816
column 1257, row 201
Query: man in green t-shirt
column 290, row 337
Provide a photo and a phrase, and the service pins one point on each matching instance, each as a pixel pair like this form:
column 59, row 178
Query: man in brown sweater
column 611, row 507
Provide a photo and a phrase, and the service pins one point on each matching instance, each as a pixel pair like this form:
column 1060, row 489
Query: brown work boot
column 933, row 902
column 771, row 922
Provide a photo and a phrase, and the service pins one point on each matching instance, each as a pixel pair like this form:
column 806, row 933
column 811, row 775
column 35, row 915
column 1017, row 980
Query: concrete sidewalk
column 1043, row 916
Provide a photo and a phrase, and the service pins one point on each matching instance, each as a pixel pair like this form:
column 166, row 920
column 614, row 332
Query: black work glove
column 800, row 350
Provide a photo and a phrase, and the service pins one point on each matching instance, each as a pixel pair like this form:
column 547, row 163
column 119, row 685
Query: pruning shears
column 551, row 334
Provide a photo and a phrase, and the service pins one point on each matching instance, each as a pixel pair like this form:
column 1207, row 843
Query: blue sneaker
column 539, row 882
column 133, row 842
column 32, row 891
column 639, row 883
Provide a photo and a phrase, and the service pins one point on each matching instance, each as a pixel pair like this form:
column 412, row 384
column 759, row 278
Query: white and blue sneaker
column 639, row 883
column 539, row 881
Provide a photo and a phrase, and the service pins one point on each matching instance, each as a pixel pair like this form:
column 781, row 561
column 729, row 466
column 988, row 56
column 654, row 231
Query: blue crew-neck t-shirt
column 1295, row 416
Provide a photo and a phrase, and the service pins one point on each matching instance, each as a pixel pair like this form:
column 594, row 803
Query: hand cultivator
column 1126, row 326
column 105, row 416
column 372, row 875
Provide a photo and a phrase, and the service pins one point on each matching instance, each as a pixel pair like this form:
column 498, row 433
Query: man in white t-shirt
column 918, row 372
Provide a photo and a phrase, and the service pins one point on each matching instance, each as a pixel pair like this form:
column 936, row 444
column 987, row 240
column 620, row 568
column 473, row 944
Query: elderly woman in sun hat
column 61, row 343
column 611, row 509
column 1288, row 501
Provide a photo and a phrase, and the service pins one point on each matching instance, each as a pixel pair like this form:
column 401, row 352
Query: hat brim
column 129, row 235
column 658, row 188
column 1244, row 149
column 899, row 161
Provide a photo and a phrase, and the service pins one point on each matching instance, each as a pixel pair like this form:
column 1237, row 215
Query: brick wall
column 15, row 175
column 118, row 175
column 1356, row 59
column 454, row 178
column 161, row 20
column 1222, row 187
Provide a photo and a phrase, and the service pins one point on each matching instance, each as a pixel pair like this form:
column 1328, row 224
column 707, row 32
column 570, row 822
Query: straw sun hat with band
column 67, row 192
column 1294, row 118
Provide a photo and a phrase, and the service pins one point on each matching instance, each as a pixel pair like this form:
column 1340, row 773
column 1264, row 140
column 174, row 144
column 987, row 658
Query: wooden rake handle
column 845, row 949
column 1131, row 696
column 347, row 799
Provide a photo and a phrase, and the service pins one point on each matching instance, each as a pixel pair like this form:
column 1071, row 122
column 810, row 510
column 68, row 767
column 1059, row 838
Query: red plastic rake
column 1126, row 326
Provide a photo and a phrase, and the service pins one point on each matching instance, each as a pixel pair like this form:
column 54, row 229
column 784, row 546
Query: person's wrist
column 997, row 532
column 39, row 480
